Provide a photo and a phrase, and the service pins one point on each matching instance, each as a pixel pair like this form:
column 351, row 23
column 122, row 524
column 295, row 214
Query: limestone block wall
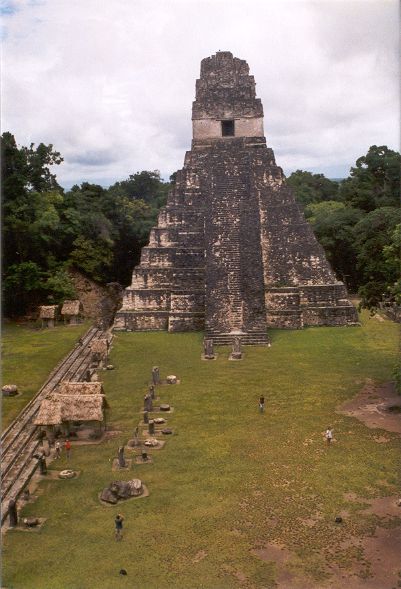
column 141, row 321
column 243, row 127
column 147, row 299
column 167, row 289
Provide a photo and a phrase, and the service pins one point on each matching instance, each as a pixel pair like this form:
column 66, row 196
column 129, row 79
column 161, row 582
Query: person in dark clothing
column 119, row 526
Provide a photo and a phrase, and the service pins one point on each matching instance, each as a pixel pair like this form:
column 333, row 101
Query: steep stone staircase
column 225, row 288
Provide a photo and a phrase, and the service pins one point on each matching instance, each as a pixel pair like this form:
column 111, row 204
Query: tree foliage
column 374, row 181
column 359, row 228
column 333, row 224
column 312, row 188
column 97, row 230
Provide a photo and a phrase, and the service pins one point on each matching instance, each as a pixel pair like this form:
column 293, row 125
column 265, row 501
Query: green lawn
column 230, row 480
column 28, row 356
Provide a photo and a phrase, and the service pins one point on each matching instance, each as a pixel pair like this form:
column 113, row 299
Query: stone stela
column 155, row 375
column 208, row 351
column 121, row 459
column 236, row 353
column 147, row 403
column 232, row 253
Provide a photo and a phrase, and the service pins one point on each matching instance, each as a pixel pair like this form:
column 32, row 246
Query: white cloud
column 111, row 85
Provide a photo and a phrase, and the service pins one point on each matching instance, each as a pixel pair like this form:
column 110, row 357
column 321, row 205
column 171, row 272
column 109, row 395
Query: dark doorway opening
column 227, row 128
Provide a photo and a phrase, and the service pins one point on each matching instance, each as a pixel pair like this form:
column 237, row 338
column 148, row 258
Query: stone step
column 247, row 339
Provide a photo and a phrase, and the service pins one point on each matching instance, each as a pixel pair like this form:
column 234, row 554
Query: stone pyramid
column 232, row 253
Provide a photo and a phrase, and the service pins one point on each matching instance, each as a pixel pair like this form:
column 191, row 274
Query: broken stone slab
column 9, row 390
column 151, row 442
column 120, row 490
column 108, row 496
column 154, row 444
column 167, row 431
column 164, row 407
column 67, row 474
column 159, row 420
column 171, row 379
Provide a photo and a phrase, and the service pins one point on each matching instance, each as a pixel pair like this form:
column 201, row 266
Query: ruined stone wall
column 211, row 128
column 225, row 90
column 167, row 289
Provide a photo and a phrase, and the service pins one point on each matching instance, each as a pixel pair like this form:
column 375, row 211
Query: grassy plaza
column 29, row 354
column 229, row 480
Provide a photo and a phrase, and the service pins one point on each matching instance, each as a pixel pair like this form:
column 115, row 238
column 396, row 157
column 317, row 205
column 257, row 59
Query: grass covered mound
column 28, row 356
column 230, row 480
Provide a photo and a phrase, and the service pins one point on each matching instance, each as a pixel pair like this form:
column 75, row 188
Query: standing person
column 119, row 526
column 58, row 449
column 329, row 435
column 67, row 447
column 262, row 404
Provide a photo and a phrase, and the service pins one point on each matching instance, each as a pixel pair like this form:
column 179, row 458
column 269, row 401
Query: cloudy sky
column 110, row 84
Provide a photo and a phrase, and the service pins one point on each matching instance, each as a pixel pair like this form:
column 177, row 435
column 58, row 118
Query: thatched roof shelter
column 73, row 401
column 71, row 308
column 47, row 311
column 57, row 408
column 100, row 346
column 49, row 413
column 69, row 387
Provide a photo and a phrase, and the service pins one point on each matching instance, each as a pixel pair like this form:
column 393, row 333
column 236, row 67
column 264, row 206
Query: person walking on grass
column 119, row 526
column 58, row 449
column 329, row 435
column 262, row 404
column 67, row 447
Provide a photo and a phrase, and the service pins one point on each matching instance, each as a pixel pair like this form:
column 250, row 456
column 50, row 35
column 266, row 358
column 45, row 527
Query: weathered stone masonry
column 232, row 253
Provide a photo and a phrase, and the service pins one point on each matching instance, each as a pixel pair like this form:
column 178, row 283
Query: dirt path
column 377, row 406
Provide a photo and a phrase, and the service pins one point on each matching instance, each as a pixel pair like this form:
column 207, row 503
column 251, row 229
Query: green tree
column 376, row 234
column 312, row 188
column 333, row 224
column 23, row 287
column 374, row 182
column 32, row 200
column 146, row 186
column 94, row 257
column 100, row 231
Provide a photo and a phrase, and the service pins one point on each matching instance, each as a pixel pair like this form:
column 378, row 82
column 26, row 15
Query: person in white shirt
column 58, row 450
column 329, row 435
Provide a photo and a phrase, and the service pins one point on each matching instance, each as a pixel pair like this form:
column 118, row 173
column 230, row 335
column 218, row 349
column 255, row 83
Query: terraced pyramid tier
column 232, row 253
